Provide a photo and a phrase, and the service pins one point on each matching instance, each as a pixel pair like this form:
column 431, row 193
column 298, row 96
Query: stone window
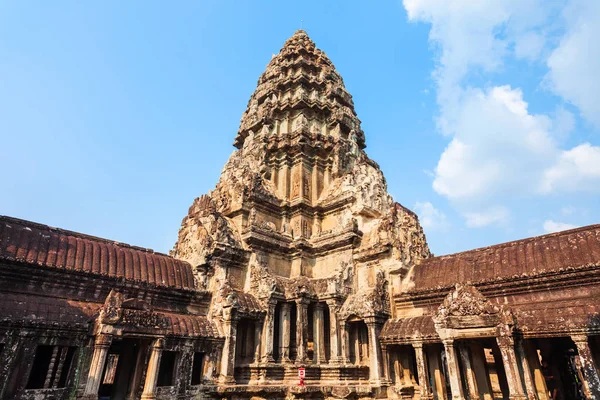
column 51, row 367
column 166, row 370
column 197, row 368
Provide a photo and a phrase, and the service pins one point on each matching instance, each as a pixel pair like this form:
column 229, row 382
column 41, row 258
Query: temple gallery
column 299, row 259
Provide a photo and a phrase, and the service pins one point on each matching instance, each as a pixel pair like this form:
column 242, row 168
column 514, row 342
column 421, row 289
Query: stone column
column 268, row 332
column 344, row 342
column 439, row 381
column 334, row 332
column 228, row 355
column 468, row 370
column 422, row 369
column 285, row 181
column 258, row 327
column 525, row 368
column 319, row 334
column 374, row 352
column 314, row 182
column 453, row 370
column 385, row 358
column 149, row 392
column 511, row 369
column 591, row 384
column 480, row 370
column 284, row 332
column 398, row 369
column 538, row 377
column 301, row 329
column 101, row 346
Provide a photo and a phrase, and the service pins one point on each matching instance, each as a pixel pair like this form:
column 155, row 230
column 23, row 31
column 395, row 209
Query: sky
column 483, row 115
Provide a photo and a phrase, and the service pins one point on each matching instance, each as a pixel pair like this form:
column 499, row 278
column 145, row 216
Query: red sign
column 301, row 375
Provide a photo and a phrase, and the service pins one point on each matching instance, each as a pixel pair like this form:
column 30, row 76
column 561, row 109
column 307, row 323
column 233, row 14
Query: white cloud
column 552, row 226
column 493, row 216
column 577, row 169
column 497, row 145
column 476, row 36
column 574, row 64
column 430, row 217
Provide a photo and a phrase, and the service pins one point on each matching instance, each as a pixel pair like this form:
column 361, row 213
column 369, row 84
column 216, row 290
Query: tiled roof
column 33, row 243
column 547, row 253
column 405, row 329
column 44, row 311
column 190, row 326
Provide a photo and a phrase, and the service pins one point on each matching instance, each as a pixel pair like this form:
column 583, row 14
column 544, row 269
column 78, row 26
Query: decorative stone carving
column 466, row 307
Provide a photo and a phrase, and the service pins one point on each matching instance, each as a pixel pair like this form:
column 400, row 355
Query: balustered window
column 51, row 367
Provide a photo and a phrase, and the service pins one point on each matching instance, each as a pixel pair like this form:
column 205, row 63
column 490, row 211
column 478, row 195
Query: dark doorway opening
column 123, row 370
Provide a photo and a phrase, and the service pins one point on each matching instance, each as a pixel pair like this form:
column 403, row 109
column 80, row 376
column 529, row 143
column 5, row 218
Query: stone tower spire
column 299, row 199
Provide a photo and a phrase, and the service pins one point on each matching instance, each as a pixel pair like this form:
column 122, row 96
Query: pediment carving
column 466, row 307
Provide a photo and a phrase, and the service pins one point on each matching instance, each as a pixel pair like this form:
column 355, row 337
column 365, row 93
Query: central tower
column 300, row 242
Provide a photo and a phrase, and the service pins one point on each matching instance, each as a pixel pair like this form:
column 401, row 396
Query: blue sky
column 483, row 115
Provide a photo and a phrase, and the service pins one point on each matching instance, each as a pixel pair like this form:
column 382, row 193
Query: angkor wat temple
column 298, row 259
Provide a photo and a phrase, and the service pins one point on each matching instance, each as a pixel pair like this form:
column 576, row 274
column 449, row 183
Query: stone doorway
column 358, row 342
column 123, row 370
column 555, row 365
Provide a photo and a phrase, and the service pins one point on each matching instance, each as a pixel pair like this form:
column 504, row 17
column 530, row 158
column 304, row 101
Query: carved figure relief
column 306, row 187
column 295, row 185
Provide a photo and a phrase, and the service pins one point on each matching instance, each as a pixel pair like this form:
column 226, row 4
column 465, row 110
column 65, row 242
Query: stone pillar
column 228, row 355
column 511, row 368
column 314, row 182
column 538, row 377
column 468, row 370
column 385, row 358
column 301, row 329
column 149, row 392
column 344, row 342
column 101, row 346
column 285, row 181
column 453, row 370
column 374, row 352
column 334, row 332
column 258, row 327
column 284, row 332
column 319, row 334
column 439, row 381
column 268, row 332
column 422, row 369
column 480, row 370
column 398, row 369
column 304, row 182
column 591, row 383
column 530, row 390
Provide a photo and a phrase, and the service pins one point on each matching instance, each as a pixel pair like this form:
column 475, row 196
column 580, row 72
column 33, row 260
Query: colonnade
column 492, row 368
column 315, row 323
column 301, row 332
column 151, row 368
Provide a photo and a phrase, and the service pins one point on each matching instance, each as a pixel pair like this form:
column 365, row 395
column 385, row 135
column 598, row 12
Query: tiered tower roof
column 301, row 76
